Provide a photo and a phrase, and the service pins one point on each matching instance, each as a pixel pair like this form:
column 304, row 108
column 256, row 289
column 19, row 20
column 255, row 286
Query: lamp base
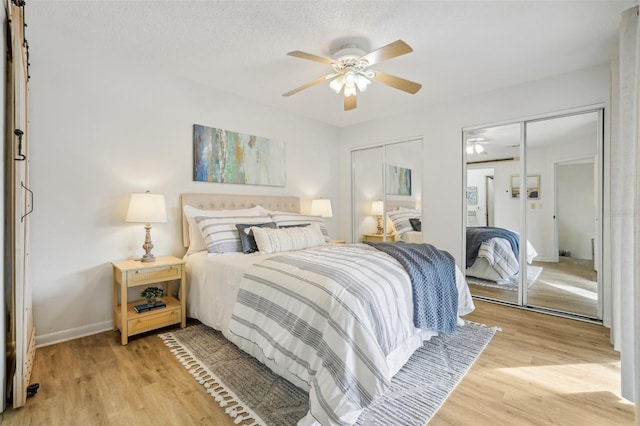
column 147, row 246
column 148, row 257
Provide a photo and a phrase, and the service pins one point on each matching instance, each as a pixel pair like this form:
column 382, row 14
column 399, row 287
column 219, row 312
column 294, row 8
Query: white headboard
column 233, row 202
column 394, row 204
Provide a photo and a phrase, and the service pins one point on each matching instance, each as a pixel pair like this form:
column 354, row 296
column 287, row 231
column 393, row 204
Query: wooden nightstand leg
column 124, row 329
column 114, row 302
column 183, row 297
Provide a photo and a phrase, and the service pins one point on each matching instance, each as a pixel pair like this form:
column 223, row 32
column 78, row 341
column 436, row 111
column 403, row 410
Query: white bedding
column 496, row 261
column 411, row 237
column 214, row 281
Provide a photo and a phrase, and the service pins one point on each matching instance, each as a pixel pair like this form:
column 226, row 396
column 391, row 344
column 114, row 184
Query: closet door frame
column 600, row 164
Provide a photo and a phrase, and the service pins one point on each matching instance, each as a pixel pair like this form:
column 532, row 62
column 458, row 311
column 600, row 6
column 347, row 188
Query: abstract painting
column 224, row 156
column 472, row 195
column 398, row 180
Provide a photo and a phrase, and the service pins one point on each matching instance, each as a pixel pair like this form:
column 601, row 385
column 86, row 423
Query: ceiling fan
column 475, row 145
column 351, row 71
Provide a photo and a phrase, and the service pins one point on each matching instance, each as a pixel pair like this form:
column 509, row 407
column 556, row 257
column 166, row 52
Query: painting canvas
column 398, row 180
column 533, row 187
column 224, row 156
column 472, row 195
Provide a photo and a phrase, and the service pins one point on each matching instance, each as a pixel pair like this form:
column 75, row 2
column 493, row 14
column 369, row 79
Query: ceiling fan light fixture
column 337, row 83
column 478, row 148
column 350, row 90
column 362, row 82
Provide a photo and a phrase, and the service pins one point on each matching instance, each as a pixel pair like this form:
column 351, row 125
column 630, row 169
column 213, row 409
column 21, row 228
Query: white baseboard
column 72, row 333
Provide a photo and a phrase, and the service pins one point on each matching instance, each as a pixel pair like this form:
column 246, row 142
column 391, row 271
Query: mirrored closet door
column 535, row 241
column 386, row 178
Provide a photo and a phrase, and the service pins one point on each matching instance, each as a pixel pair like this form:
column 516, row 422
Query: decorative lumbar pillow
column 196, row 241
column 287, row 239
column 247, row 239
column 416, row 224
column 400, row 219
column 286, row 219
column 220, row 233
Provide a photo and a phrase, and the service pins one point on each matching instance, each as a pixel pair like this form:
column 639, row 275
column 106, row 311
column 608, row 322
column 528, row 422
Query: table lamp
column 147, row 208
column 377, row 209
column 321, row 207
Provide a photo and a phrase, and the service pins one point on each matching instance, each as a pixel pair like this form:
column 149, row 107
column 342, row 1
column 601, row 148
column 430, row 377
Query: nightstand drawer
column 153, row 275
column 153, row 321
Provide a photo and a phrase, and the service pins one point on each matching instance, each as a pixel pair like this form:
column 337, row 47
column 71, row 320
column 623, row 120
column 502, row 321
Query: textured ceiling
column 239, row 47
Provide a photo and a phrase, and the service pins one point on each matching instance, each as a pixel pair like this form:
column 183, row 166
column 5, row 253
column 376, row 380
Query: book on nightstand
column 144, row 307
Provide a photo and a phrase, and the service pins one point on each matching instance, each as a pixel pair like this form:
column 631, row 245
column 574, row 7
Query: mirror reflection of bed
column 561, row 211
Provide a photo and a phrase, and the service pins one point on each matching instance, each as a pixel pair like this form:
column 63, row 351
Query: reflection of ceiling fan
column 351, row 71
column 474, row 145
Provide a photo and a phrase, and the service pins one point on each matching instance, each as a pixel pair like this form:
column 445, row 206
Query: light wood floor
column 538, row 370
column 569, row 285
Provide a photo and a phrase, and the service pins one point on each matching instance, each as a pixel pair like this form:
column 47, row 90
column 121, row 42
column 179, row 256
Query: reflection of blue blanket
column 433, row 279
column 477, row 235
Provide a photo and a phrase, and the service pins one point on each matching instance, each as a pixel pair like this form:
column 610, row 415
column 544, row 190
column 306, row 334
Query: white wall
column 101, row 129
column 576, row 207
column 441, row 125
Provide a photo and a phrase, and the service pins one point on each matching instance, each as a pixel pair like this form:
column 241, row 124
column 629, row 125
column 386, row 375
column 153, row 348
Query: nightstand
column 338, row 241
column 133, row 273
column 378, row 237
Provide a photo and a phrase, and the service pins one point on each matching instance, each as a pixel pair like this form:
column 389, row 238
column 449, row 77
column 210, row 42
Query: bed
column 317, row 316
column 492, row 254
column 405, row 220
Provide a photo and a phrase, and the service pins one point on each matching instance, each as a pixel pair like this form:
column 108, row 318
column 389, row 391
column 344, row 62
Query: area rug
column 253, row 395
column 533, row 273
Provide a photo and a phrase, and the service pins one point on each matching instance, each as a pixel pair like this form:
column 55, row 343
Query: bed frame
column 234, row 202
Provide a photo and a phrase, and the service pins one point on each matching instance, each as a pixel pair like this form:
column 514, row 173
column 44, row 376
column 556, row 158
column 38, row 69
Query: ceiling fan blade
column 309, row 84
column 350, row 103
column 397, row 82
column 309, row 56
column 389, row 51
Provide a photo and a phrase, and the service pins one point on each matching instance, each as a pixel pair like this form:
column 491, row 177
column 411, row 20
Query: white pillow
column 287, row 239
column 221, row 235
column 288, row 219
column 400, row 219
column 196, row 241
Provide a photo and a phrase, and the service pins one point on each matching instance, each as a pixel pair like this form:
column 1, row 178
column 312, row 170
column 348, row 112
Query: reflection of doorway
column 569, row 282
column 480, row 208
column 489, row 186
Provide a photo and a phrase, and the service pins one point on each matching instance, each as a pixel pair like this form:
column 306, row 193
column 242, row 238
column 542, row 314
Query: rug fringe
column 214, row 386
column 495, row 328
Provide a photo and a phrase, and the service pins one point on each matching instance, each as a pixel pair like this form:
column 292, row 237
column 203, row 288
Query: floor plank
column 538, row 370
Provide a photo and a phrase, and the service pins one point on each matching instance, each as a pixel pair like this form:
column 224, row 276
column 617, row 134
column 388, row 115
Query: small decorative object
column 151, row 294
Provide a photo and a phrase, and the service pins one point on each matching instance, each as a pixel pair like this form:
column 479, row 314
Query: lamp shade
column 146, row 208
column 377, row 208
column 321, row 207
